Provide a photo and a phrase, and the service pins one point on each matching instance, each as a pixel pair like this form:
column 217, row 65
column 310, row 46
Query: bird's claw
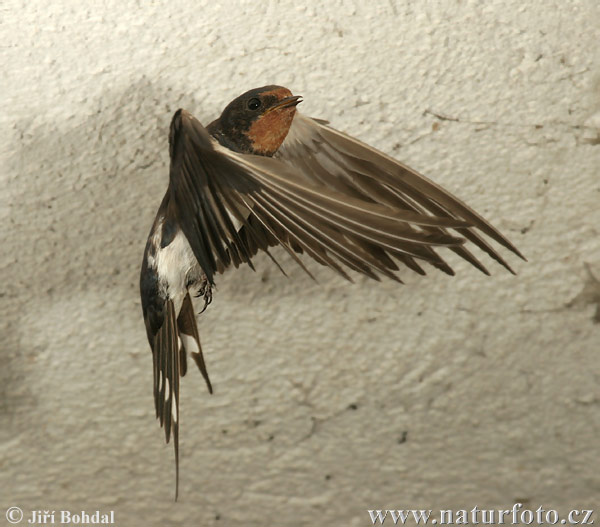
column 206, row 292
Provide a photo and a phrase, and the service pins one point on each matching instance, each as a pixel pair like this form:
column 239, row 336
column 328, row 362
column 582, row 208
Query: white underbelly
column 177, row 266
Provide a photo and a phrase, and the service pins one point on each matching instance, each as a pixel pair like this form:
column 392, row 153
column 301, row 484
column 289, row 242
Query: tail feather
column 167, row 372
column 177, row 336
column 190, row 339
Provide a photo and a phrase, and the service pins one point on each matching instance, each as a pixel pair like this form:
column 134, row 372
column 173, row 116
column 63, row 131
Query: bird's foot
column 205, row 291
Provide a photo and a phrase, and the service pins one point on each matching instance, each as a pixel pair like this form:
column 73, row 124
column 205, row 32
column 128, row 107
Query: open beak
column 287, row 102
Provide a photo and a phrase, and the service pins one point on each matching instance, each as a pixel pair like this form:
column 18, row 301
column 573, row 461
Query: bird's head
column 257, row 121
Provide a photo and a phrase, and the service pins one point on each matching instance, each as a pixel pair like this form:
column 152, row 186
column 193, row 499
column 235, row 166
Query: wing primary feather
column 277, row 264
column 187, row 212
column 353, row 207
column 249, row 232
column 327, row 239
column 281, row 242
column 359, row 228
column 265, row 213
column 425, row 187
column 471, row 236
column 338, row 161
column 240, row 245
column 407, row 247
column 296, row 231
column 207, row 213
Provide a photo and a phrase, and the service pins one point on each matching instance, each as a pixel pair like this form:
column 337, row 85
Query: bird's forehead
column 280, row 92
column 276, row 91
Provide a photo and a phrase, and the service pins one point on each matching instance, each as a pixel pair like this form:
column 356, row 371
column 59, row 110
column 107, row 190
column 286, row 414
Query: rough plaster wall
column 331, row 398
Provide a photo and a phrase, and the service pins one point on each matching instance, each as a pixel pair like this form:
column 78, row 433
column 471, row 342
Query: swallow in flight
column 263, row 175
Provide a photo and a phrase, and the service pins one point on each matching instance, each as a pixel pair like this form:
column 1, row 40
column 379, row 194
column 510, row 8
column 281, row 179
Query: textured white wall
column 331, row 398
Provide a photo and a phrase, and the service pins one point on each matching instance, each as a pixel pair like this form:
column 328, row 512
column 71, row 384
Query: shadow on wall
column 81, row 195
column 82, row 199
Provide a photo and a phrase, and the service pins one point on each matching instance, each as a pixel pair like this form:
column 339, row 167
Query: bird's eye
column 254, row 104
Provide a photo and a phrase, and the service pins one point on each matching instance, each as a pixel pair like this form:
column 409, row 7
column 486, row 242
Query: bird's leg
column 205, row 291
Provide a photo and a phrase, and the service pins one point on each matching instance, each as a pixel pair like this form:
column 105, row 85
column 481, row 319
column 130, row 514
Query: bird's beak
column 287, row 102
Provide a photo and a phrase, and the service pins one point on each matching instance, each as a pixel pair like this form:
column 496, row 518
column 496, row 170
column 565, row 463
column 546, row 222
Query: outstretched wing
column 339, row 162
column 215, row 191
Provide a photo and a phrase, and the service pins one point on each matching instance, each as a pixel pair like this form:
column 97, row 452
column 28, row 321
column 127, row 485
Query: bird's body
column 170, row 268
column 263, row 175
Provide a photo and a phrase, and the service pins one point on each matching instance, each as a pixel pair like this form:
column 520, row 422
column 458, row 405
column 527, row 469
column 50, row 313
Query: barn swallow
column 263, row 175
